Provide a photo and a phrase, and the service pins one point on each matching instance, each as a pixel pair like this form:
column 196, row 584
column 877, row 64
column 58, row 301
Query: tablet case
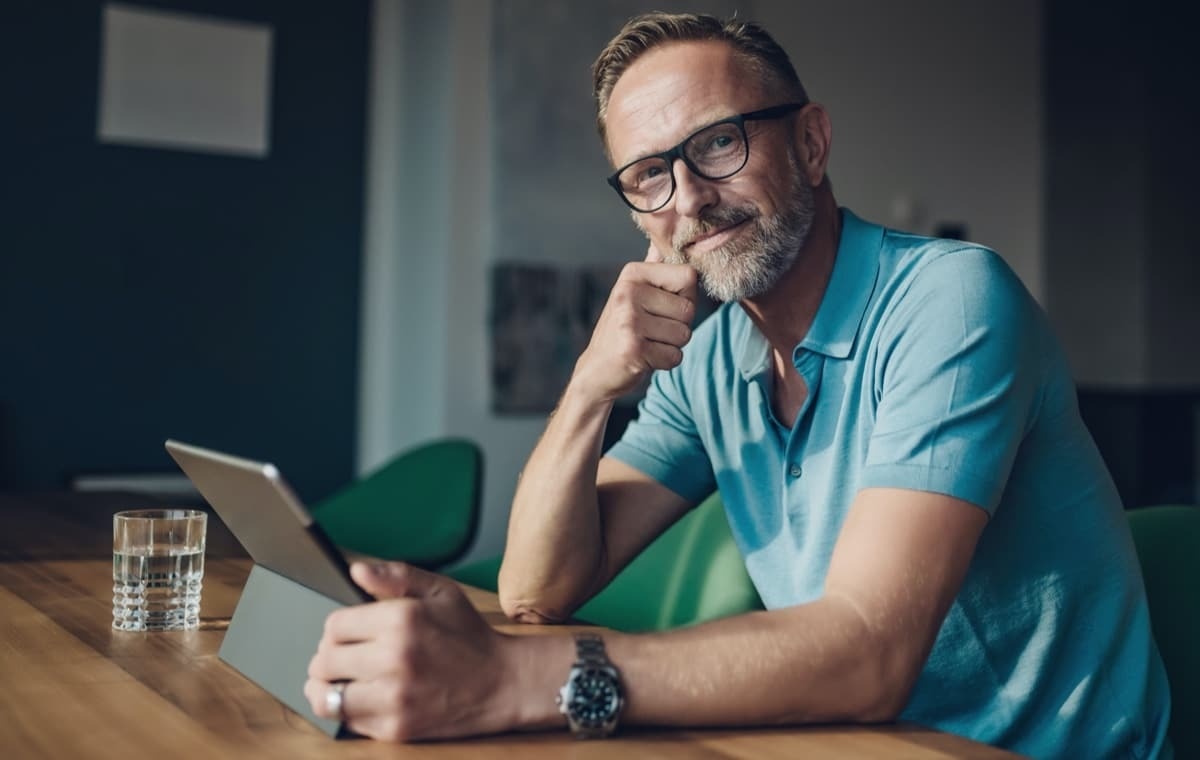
column 273, row 635
column 296, row 580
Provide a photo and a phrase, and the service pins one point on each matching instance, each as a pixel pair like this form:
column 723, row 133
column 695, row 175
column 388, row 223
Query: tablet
column 262, row 511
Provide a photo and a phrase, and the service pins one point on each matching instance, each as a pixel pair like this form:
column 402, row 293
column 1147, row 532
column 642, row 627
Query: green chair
column 693, row 572
column 1168, row 546
column 482, row 573
column 421, row 507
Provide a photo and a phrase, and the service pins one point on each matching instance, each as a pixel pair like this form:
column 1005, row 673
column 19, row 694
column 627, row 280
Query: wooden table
column 70, row 686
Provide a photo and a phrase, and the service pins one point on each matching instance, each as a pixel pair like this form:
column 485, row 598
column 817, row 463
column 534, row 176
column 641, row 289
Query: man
column 890, row 424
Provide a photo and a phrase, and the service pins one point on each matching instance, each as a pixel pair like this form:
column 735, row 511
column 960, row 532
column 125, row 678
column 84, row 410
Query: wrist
column 536, row 667
column 590, row 383
column 583, row 402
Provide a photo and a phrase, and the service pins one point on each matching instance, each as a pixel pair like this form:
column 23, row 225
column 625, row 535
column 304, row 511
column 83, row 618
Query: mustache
column 712, row 220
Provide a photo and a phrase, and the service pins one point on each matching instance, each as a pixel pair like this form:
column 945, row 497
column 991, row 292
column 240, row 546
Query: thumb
column 652, row 255
column 390, row 580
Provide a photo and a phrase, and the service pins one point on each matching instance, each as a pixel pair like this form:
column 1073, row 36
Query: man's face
column 741, row 234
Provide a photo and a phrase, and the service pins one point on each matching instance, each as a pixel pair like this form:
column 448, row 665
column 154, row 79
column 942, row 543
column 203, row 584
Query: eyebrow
column 702, row 125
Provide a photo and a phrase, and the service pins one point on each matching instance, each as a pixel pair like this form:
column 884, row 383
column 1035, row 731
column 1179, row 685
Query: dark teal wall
column 150, row 293
column 1123, row 262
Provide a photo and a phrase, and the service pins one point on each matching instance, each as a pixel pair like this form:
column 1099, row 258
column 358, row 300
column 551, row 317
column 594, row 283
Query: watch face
column 594, row 698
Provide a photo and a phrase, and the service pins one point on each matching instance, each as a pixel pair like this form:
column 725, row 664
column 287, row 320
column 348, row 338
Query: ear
column 812, row 137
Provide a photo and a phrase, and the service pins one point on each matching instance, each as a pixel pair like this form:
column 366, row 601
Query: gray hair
column 750, row 42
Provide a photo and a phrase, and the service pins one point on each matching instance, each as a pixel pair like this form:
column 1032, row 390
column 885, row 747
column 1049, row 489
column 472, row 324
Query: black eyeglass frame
column 670, row 155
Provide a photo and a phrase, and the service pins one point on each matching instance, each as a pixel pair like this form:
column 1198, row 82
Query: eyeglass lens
column 713, row 153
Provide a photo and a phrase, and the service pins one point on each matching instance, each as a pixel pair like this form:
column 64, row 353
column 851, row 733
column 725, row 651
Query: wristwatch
column 591, row 698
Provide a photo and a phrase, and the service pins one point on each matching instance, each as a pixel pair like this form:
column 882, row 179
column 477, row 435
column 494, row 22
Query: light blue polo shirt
column 930, row 367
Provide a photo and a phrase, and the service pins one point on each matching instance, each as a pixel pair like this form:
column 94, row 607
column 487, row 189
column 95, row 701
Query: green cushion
column 1168, row 545
column 421, row 507
column 693, row 572
column 481, row 574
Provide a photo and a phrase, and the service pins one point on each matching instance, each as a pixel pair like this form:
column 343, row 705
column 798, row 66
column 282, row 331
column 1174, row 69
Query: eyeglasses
column 717, row 151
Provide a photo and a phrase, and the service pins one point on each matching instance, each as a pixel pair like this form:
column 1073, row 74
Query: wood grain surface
column 70, row 686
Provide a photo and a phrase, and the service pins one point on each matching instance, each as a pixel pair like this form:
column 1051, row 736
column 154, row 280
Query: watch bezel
column 587, row 728
column 574, row 683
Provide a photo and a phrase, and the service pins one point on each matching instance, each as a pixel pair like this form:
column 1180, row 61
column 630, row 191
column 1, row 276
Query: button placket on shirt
column 808, row 364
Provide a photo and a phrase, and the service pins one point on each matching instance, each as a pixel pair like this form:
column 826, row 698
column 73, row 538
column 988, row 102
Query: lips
column 714, row 232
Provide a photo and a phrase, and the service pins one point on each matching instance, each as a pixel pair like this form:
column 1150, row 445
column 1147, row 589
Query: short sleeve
column 663, row 441
column 958, row 379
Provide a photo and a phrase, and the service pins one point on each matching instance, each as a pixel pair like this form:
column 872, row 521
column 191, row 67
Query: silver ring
column 335, row 700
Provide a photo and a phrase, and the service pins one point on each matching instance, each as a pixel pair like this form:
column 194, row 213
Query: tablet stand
column 273, row 635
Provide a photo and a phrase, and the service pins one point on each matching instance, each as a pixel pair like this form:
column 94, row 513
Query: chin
column 726, row 296
column 724, row 291
column 743, row 283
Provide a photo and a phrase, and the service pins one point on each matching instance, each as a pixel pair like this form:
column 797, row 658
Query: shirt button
column 795, row 471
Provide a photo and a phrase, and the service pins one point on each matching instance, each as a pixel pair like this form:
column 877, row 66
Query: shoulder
column 913, row 262
column 959, row 307
column 927, row 280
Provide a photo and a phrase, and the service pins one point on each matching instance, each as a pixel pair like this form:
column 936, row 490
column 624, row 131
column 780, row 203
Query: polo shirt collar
column 850, row 287
column 840, row 314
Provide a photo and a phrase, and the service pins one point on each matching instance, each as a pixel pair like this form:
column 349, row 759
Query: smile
column 716, row 238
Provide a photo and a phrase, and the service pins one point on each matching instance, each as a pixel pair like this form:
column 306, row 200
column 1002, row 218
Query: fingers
column 315, row 691
column 662, row 355
column 647, row 318
column 360, row 701
column 346, row 661
column 676, row 278
column 645, row 322
column 388, row 580
column 664, row 330
column 653, row 300
column 369, row 621
column 377, row 709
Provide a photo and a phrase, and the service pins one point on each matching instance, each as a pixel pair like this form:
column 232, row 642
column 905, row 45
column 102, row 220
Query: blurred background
column 307, row 275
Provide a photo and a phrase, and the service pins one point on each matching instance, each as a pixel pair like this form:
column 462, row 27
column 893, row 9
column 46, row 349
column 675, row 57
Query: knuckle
column 400, row 572
column 622, row 294
column 631, row 346
column 331, row 622
column 630, row 324
column 401, row 618
column 407, row 657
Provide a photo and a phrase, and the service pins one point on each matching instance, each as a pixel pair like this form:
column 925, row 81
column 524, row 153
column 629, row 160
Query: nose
column 693, row 193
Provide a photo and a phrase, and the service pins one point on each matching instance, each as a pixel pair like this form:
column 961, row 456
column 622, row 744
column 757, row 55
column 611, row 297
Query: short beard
column 751, row 264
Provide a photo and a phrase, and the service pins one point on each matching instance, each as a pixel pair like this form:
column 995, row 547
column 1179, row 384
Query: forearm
column 555, row 545
column 852, row 655
column 557, row 552
column 813, row 663
column 818, row 662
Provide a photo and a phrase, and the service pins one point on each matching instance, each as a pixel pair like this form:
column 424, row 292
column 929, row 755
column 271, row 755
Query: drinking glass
column 158, row 569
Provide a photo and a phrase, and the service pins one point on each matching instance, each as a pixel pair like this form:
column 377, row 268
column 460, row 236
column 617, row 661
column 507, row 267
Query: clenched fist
column 419, row 664
column 643, row 327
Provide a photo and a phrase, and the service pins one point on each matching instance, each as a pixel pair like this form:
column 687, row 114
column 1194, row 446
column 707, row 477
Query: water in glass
column 158, row 570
